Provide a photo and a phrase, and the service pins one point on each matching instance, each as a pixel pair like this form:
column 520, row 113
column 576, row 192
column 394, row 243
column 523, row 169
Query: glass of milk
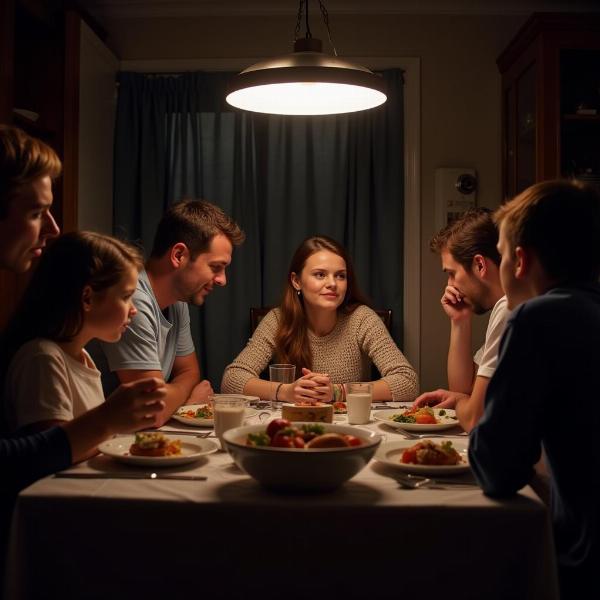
column 358, row 400
column 228, row 413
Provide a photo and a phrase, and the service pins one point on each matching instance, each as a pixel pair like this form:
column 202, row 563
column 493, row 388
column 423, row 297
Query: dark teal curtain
column 281, row 178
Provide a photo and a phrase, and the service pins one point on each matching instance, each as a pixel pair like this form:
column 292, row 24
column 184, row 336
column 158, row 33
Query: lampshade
column 306, row 82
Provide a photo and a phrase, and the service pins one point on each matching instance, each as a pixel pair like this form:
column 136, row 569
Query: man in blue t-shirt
column 191, row 251
column 544, row 391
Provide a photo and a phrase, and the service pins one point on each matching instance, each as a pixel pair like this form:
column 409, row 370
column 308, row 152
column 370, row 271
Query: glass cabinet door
column 525, row 159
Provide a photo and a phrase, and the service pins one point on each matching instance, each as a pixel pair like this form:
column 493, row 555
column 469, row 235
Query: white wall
column 97, row 104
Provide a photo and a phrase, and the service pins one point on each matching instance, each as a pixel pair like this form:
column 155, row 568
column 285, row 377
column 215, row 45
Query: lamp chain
column 326, row 20
column 300, row 10
column 325, row 15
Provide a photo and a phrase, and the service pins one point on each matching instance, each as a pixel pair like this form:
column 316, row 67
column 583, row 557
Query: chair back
column 256, row 314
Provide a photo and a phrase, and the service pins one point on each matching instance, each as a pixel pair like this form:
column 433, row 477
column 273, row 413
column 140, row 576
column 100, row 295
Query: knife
column 202, row 434
column 145, row 475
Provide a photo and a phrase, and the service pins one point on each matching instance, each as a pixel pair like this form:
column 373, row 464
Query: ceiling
column 115, row 9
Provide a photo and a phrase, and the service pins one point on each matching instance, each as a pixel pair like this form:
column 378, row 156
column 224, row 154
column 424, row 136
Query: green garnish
column 258, row 439
column 403, row 419
column 316, row 429
column 447, row 447
column 442, row 413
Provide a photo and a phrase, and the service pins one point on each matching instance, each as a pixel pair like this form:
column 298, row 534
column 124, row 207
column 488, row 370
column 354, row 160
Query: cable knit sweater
column 345, row 354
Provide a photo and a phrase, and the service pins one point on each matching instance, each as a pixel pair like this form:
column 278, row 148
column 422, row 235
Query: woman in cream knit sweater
column 324, row 327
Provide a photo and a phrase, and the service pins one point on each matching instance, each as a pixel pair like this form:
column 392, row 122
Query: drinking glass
column 228, row 413
column 358, row 399
column 280, row 374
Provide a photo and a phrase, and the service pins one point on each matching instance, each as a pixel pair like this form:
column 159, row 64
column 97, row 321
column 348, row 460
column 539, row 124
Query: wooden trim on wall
column 71, row 120
column 7, row 64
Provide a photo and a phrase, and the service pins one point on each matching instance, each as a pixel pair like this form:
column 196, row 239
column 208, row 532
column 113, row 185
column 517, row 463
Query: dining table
column 222, row 535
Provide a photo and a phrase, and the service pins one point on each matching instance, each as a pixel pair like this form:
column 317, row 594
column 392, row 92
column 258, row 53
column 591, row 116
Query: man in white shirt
column 469, row 256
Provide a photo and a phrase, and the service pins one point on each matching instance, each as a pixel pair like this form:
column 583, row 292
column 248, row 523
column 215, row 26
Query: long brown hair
column 52, row 305
column 291, row 340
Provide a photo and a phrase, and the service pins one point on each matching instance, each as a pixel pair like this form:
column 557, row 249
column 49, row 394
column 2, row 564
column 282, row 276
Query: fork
column 198, row 434
column 414, row 482
column 419, row 436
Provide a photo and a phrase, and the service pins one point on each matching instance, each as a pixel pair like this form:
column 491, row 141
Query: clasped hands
column 310, row 388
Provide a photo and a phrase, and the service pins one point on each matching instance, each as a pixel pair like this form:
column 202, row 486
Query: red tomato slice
column 409, row 456
column 425, row 419
column 352, row 440
column 282, row 440
column 275, row 425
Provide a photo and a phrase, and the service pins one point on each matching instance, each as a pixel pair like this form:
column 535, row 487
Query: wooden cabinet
column 551, row 101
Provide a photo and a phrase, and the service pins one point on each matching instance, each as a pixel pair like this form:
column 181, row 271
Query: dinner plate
column 447, row 419
column 390, row 454
column 202, row 422
column 191, row 450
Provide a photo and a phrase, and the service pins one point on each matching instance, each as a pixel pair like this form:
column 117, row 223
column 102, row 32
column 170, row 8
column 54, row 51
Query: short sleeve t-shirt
column 43, row 383
column 487, row 356
column 152, row 341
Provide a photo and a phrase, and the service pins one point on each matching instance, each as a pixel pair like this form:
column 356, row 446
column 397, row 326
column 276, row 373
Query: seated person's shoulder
column 362, row 314
column 143, row 298
column 270, row 321
column 39, row 346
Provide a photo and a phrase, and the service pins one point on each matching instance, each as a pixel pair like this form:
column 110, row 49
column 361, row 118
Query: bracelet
column 277, row 392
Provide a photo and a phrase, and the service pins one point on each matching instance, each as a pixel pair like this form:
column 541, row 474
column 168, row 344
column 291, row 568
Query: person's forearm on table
column 265, row 390
column 469, row 409
column 178, row 390
column 460, row 360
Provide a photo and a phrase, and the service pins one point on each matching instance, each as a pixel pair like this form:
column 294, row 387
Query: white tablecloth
column 226, row 537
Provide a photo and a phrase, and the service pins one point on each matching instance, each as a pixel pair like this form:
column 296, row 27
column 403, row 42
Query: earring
column 298, row 292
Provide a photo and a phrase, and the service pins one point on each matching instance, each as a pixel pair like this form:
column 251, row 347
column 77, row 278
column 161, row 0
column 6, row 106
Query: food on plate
column 340, row 408
column 202, row 412
column 280, row 433
column 275, row 425
column 154, row 443
column 420, row 416
column 430, row 453
column 328, row 440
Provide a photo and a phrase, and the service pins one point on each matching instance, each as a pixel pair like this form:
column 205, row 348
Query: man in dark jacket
column 545, row 388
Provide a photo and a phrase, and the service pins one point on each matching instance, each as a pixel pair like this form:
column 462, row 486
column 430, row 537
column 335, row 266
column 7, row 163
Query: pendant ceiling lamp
column 307, row 82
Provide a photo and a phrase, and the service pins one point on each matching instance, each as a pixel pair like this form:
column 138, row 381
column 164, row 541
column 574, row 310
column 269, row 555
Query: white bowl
column 313, row 469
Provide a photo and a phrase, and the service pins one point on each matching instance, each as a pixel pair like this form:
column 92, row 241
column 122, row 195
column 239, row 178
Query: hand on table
column 438, row 398
column 200, row 393
column 311, row 387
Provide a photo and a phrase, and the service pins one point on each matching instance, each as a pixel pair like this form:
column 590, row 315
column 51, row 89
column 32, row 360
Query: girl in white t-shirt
column 81, row 290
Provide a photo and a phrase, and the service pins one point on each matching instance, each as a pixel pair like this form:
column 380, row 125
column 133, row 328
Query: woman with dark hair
column 325, row 328
column 81, row 290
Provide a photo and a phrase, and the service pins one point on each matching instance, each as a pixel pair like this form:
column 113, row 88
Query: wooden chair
column 258, row 312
